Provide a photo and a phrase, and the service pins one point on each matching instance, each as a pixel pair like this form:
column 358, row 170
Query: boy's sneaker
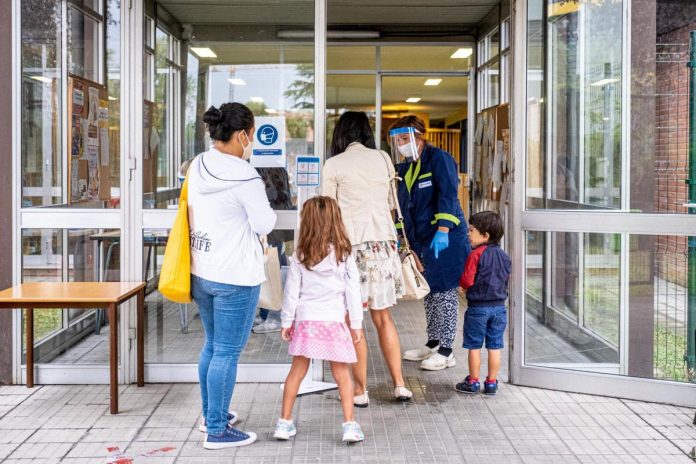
column 490, row 388
column 468, row 386
column 352, row 433
column 270, row 325
column 231, row 420
column 258, row 320
column 437, row 362
column 419, row 354
column 230, row 438
column 284, row 429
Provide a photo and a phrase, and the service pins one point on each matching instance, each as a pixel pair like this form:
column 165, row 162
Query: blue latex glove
column 439, row 243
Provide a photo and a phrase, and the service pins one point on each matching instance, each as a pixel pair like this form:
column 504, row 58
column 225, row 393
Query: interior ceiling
column 340, row 12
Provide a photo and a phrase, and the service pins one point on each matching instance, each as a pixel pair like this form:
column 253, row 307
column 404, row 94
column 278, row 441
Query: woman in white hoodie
column 228, row 211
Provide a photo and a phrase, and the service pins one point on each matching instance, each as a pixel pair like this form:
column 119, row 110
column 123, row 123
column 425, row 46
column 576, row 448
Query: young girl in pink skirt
column 322, row 285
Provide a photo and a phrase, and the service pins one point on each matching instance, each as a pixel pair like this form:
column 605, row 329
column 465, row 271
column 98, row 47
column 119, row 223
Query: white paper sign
column 269, row 143
column 104, row 145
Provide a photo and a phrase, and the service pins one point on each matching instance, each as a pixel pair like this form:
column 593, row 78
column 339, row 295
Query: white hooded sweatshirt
column 227, row 210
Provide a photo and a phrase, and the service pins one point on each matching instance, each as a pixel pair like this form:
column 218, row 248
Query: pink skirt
column 330, row 341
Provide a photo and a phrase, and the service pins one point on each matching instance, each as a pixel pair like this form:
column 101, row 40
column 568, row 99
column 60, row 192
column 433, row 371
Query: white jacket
column 227, row 211
column 324, row 293
column 359, row 180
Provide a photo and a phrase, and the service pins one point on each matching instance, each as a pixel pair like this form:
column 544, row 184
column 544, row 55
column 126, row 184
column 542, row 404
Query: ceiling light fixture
column 432, row 82
column 236, row 81
column 462, row 53
column 413, row 99
column 204, row 52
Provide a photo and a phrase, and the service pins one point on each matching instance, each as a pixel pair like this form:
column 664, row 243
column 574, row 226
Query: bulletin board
column 492, row 163
column 88, row 141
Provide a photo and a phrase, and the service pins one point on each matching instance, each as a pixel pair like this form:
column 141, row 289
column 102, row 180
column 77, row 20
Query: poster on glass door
column 269, row 143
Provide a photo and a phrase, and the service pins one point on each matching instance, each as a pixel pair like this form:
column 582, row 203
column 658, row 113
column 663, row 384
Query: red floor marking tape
column 118, row 457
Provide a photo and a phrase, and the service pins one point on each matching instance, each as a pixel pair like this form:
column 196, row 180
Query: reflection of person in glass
column 437, row 232
column 359, row 177
column 278, row 192
column 228, row 210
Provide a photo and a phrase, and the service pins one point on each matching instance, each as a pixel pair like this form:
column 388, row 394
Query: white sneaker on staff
column 438, row 362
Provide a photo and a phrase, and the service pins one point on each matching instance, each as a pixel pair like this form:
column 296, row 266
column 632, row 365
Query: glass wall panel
column 82, row 169
column 574, row 113
column 642, row 332
column 430, row 58
column 348, row 93
column 70, row 336
column 173, row 331
column 579, row 104
column 342, row 58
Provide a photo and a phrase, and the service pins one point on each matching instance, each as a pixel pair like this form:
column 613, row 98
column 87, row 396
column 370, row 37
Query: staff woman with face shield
column 437, row 232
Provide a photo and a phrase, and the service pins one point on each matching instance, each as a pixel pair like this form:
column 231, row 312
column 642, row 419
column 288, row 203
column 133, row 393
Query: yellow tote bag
column 175, row 276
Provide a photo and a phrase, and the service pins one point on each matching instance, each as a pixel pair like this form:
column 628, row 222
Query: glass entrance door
column 605, row 261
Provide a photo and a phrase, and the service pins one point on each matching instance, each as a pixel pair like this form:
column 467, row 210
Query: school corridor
column 158, row 423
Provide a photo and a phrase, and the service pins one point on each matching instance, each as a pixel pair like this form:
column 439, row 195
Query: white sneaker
column 284, row 429
column 352, row 433
column 361, row 401
column 437, row 362
column 231, row 420
column 267, row 326
column 419, row 354
column 402, row 393
column 258, row 320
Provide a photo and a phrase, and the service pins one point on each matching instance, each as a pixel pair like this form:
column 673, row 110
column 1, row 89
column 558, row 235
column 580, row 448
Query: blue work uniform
column 428, row 199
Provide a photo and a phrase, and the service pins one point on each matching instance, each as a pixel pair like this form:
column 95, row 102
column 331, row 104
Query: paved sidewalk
column 71, row 424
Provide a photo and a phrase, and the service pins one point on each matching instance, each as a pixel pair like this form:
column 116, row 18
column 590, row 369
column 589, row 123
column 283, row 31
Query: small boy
column 485, row 279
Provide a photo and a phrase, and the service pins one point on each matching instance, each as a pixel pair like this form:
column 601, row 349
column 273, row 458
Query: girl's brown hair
column 321, row 228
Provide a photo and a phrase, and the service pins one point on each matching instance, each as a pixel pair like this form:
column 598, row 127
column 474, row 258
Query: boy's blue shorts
column 485, row 322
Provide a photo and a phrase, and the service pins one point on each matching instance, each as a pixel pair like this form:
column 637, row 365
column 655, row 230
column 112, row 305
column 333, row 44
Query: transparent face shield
column 404, row 144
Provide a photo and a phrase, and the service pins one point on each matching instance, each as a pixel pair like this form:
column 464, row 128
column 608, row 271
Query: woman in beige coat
column 358, row 176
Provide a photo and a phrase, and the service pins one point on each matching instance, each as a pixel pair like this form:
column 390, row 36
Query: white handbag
column 271, row 296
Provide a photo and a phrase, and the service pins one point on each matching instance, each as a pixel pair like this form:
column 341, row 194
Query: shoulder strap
column 399, row 216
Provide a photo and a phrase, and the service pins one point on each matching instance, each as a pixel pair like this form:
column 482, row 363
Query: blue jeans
column 227, row 313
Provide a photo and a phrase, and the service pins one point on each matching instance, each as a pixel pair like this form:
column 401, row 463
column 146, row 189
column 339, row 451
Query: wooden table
column 108, row 295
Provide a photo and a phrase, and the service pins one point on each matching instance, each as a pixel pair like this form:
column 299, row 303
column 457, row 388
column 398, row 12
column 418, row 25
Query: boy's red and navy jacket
column 486, row 275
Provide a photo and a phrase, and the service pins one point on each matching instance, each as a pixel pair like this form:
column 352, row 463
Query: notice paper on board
column 308, row 171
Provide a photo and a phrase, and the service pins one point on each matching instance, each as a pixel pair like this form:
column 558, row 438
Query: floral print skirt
column 381, row 282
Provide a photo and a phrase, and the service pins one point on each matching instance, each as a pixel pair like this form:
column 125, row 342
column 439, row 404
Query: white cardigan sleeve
column 353, row 296
column 291, row 294
column 329, row 180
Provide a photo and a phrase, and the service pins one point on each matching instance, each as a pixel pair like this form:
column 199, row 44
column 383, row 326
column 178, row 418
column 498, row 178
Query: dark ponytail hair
column 229, row 118
column 352, row 126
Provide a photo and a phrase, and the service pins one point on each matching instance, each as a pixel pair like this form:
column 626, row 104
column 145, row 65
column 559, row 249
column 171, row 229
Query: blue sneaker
column 284, row 429
column 490, row 388
column 231, row 420
column 230, row 438
column 468, row 386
